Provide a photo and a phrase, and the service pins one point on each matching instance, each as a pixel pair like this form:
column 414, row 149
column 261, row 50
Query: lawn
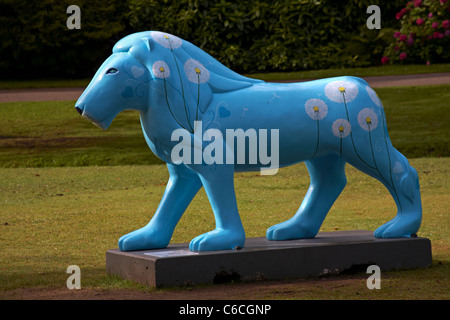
column 52, row 134
column 55, row 217
column 69, row 190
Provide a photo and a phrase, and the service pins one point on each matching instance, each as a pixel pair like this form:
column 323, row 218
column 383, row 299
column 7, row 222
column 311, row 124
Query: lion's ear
column 132, row 40
column 141, row 50
column 148, row 43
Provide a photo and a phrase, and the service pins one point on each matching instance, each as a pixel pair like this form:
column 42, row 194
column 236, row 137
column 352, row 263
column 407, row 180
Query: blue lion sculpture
column 182, row 93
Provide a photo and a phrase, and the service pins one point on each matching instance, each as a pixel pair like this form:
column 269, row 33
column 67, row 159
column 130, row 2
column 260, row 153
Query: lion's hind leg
column 394, row 172
column 404, row 188
column 327, row 182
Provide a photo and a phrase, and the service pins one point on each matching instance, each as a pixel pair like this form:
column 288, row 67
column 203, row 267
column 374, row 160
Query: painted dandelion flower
column 341, row 128
column 195, row 71
column 336, row 90
column 166, row 40
column 317, row 109
column 373, row 96
column 367, row 119
column 161, row 69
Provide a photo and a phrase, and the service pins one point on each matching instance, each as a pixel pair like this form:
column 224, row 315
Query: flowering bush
column 424, row 35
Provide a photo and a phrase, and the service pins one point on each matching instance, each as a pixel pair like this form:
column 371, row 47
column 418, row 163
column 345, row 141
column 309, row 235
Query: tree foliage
column 35, row 41
column 247, row 36
column 284, row 35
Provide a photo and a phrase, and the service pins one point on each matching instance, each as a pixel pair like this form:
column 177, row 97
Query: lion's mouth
column 84, row 114
column 97, row 123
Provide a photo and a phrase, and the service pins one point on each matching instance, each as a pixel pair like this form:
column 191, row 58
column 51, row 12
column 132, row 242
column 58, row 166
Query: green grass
column 52, row 134
column 417, row 119
column 51, row 218
column 298, row 75
column 386, row 70
column 69, row 190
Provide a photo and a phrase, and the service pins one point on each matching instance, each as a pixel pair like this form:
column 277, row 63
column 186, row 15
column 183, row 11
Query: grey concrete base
column 327, row 253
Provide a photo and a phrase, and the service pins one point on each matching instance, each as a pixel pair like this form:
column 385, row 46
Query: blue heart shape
column 224, row 112
column 128, row 92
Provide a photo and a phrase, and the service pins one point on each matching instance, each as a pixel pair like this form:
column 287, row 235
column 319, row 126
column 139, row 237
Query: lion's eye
column 112, row 71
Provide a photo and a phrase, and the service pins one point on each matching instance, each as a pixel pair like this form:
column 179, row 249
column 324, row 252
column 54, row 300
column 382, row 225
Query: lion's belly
column 276, row 113
column 276, row 125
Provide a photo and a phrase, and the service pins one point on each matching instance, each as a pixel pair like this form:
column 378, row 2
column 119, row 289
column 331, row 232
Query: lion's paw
column 402, row 226
column 142, row 239
column 289, row 230
column 218, row 239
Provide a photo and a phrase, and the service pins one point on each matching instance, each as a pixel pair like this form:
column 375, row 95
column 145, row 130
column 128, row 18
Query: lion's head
column 157, row 70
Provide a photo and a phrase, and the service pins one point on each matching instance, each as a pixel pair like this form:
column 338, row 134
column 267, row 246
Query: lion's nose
column 79, row 110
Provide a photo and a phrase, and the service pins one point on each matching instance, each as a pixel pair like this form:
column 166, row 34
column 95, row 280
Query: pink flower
column 446, row 24
column 419, row 21
column 435, row 25
column 438, row 35
column 447, row 32
column 402, row 56
column 402, row 37
column 396, row 48
column 402, row 12
column 397, row 34
column 384, row 60
column 428, row 63
column 417, row 3
column 430, row 15
column 410, row 41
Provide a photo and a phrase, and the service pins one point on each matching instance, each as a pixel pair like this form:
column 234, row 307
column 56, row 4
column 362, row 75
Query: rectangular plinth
column 328, row 252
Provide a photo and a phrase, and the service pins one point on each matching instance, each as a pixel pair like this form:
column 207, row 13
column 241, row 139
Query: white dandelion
column 167, row 40
column 161, row 69
column 373, row 95
column 336, row 90
column 317, row 109
column 341, row 128
column 195, row 71
column 367, row 119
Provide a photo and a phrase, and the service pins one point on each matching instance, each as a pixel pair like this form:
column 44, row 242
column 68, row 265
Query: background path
column 74, row 93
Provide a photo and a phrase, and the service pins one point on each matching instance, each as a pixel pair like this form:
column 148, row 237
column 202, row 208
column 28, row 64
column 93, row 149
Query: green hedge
column 258, row 36
column 36, row 43
column 248, row 35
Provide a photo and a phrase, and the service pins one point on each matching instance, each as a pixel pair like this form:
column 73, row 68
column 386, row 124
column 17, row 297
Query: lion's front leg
column 181, row 188
column 229, row 232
